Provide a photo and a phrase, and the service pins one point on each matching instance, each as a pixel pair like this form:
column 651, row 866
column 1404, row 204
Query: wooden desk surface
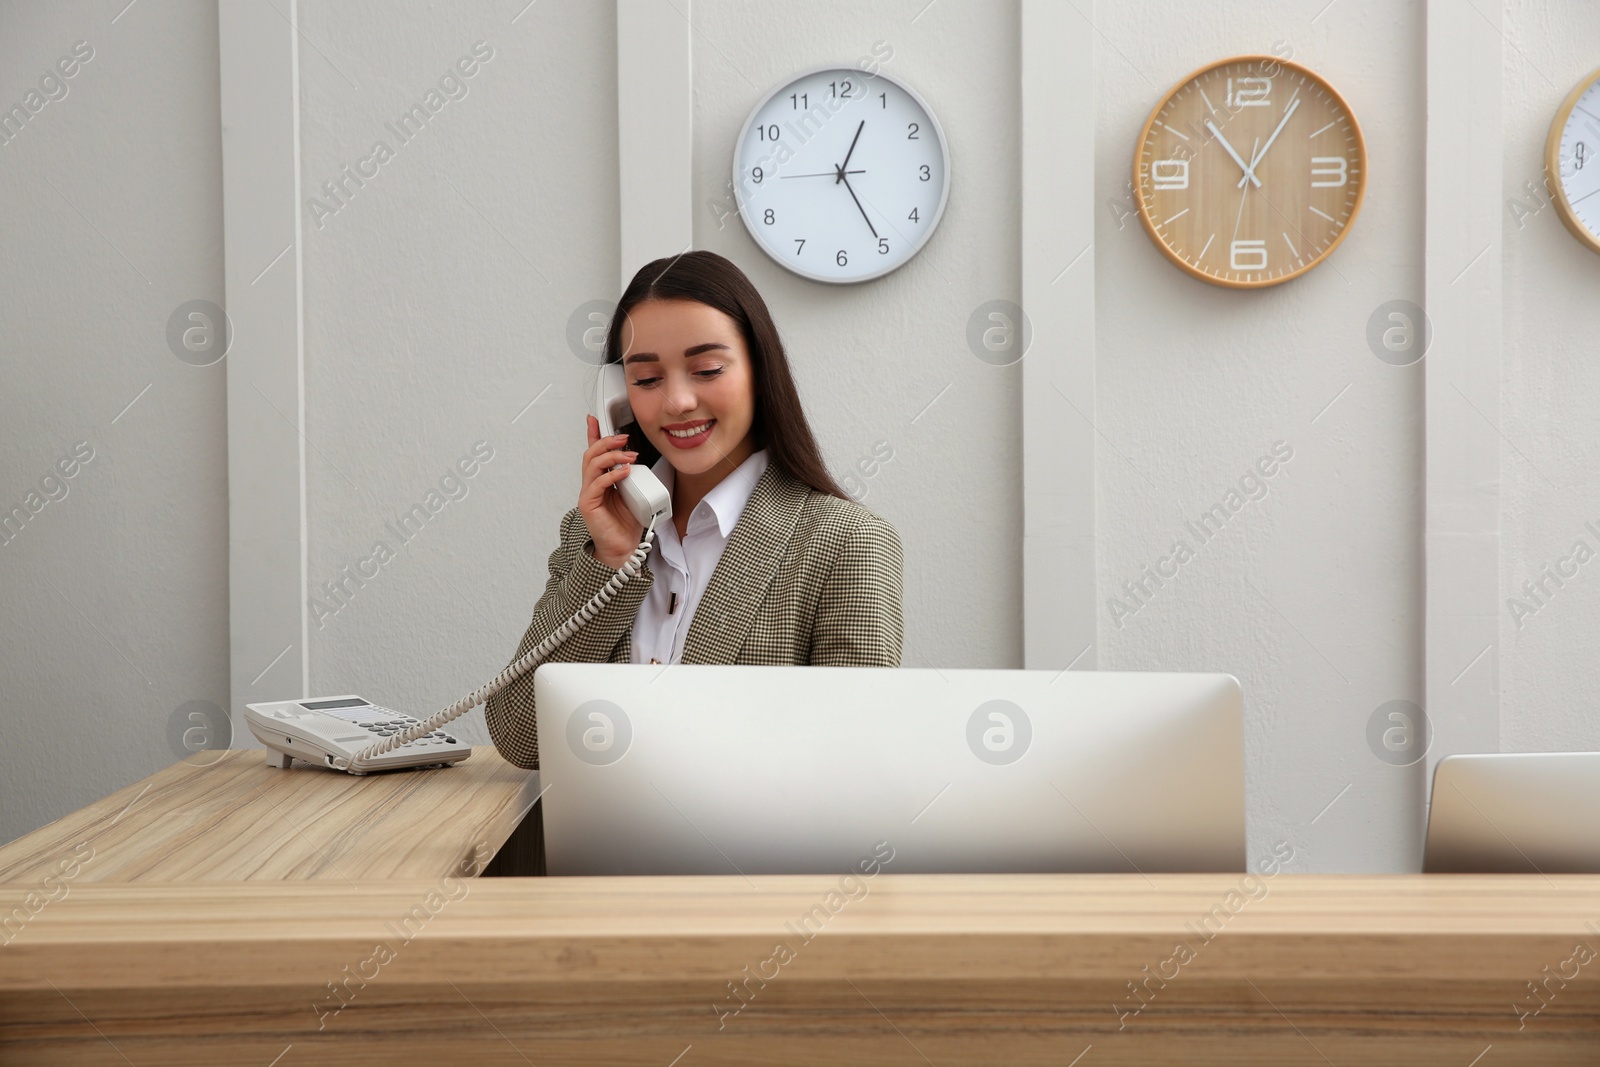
column 944, row 969
column 236, row 913
column 228, row 816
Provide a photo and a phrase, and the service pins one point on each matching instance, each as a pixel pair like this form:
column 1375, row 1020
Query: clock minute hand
column 859, row 208
column 1248, row 173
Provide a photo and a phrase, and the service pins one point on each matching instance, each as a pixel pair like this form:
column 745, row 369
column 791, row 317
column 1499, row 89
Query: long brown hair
column 779, row 424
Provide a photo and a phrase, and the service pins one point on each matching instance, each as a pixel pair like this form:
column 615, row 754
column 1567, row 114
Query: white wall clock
column 841, row 175
column 1569, row 157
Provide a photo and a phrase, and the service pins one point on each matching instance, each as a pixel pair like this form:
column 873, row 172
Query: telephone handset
column 276, row 724
column 643, row 492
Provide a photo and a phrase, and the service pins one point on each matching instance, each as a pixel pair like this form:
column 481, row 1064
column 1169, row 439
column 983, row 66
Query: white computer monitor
column 1515, row 813
column 691, row 769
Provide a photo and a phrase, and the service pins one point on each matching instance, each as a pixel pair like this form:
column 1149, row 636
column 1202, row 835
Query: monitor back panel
column 694, row 769
column 1515, row 813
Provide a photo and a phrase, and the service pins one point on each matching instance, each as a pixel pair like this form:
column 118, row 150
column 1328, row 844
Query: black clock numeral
column 768, row 217
column 839, row 88
column 926, row 174
column 883, row 98
column 767, row 133
column 841, row 258
column 1580, row 156
column 883, row 246
column 912, row 135
column 801, row 243
column 914, row 217
column 756, row 175
column 797, row 100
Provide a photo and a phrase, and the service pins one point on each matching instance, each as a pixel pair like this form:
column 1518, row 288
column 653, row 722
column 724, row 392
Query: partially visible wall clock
column 1249, row 172
column 841, row 175
column 1569, row 159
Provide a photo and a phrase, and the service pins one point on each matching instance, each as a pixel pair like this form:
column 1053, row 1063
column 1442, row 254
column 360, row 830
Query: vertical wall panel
column 1060, row 608
column 655, row 136
column 267, row 544
column 1462, row 407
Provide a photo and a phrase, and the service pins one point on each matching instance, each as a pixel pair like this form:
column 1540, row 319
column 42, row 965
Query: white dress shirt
column 683, row 567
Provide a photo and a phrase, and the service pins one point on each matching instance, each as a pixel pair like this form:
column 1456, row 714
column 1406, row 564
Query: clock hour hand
column 859, row 127
column 1255, row 161
column 1248, row 172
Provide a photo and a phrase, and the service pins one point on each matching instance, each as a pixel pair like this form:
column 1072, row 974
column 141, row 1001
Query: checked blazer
column 805, row 578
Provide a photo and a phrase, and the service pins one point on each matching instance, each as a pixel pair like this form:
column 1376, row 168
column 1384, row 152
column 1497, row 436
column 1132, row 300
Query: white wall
column 116, row 594
column 869, row 359
column 437, row 301
column 1551, row 382
column 1311, row 595
column 436, row 308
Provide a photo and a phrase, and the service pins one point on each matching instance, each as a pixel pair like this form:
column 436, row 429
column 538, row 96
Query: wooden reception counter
column 228, row 816
column 378, row 967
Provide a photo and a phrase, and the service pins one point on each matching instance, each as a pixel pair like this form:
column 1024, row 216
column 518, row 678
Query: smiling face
column 690, row 384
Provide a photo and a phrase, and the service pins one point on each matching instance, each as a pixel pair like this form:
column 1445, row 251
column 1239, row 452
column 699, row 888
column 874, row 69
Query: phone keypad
column 387, row 723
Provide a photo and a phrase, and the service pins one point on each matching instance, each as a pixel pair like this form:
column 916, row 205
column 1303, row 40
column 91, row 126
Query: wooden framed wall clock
column 1569, row 160
column 841, row 175
column 1249, row 172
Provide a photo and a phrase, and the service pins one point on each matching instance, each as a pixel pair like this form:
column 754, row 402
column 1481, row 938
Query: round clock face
column 1250, row 172
column 841, row 175
column 1570, row 160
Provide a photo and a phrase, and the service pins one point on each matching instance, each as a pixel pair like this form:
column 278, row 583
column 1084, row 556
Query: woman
column 765, row 559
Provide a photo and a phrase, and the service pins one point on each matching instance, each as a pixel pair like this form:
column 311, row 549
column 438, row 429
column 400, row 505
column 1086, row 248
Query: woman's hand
column 612, row 527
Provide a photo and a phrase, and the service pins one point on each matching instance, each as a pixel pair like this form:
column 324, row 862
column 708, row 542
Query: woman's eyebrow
column 651, row 357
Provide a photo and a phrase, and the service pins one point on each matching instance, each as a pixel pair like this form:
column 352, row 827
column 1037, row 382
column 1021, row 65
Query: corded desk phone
column 347, row 733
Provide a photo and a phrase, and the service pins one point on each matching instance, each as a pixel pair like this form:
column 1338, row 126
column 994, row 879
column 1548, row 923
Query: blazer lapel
column 744, row 572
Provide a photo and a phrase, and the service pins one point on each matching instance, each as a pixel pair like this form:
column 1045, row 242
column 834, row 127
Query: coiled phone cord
column 522, row 666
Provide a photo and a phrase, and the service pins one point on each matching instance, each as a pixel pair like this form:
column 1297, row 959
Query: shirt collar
column 728, row 497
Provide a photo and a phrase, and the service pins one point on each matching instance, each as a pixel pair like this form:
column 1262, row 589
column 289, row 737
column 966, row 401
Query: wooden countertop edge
column 952, row 927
